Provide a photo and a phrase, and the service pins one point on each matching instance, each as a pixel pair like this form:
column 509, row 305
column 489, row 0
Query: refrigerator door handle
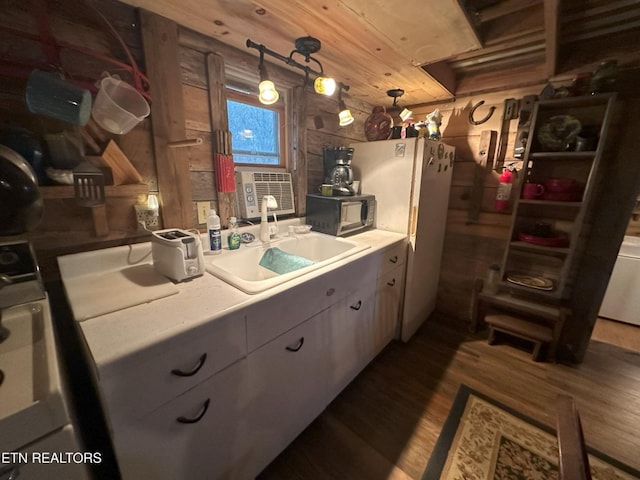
column 414, row 219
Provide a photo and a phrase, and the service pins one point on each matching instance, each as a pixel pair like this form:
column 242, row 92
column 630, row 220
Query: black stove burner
column 16, row 259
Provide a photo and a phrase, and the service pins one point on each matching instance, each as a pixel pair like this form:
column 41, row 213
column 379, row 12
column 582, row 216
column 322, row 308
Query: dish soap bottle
column 233, row 240
column 213, row 229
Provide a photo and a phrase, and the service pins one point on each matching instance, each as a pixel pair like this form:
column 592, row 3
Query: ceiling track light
column 344, row 116
column 268, row 95
column 404, row 113
column 304, row 46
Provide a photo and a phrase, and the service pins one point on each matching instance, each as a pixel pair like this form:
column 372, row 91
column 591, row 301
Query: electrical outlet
column 203, row 211
column 148, row 216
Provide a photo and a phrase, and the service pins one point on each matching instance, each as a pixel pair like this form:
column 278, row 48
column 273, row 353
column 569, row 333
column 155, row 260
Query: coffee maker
column 337, row 169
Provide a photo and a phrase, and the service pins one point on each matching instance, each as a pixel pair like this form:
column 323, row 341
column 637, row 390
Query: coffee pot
column 342, row 178
column 337, row 169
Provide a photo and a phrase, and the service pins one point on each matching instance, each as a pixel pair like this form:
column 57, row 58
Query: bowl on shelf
column 560, row 184
column 551, row 240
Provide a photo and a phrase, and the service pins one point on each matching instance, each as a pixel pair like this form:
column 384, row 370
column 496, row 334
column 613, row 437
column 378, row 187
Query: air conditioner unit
column 252, row 186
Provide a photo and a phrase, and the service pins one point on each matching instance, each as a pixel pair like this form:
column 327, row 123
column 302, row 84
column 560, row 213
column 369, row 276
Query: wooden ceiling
column 433, row 50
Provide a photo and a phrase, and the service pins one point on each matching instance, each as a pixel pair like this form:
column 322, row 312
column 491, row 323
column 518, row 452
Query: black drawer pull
column 394, row 259
column 297, row 346
column 195, row 370
column 392, row 282
column 357, row 306
column 196, row 419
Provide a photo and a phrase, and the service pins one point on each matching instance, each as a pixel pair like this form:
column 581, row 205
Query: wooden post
column 160, row 38
column 219, row 123
column 298, row 165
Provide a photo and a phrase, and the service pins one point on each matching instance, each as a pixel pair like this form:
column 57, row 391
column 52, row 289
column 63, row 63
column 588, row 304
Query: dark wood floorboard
column 385, row 424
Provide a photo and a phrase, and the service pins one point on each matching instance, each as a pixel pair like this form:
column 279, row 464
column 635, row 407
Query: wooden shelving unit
column 538, row 314
column 570, row 218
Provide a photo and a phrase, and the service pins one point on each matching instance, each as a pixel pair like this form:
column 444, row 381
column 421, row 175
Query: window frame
column 251, row 99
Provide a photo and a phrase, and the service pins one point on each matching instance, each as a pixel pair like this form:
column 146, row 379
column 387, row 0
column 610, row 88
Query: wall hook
column 487, row 116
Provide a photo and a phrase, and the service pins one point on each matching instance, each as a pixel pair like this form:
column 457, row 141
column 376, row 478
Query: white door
column 351, row 336
column 288, row 378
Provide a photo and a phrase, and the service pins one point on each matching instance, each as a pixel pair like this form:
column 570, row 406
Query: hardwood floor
column 617, row 333
column 385, row 424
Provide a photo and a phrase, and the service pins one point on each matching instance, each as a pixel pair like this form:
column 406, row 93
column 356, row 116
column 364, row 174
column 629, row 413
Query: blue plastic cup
column 49, row 95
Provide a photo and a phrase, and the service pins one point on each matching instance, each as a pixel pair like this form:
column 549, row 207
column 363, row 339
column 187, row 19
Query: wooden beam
column 160, row 39
column 551, row 23
column 502, row 9
column 219, row 123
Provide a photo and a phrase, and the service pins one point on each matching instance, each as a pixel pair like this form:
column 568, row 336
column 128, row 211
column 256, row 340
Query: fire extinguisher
column 504, row 187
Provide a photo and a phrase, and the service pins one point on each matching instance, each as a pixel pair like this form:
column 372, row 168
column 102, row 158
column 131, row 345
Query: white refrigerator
column 411, row 179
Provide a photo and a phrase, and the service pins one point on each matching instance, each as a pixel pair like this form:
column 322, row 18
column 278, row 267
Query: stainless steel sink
column 241, row 268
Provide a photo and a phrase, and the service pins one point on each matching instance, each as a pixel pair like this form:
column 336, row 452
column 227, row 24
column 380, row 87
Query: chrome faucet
column 268, row 201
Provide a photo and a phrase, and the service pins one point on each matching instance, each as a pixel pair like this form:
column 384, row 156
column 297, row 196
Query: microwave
column 340, row 215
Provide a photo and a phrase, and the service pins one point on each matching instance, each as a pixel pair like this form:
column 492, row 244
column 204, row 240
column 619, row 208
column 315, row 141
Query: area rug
column 485, row 440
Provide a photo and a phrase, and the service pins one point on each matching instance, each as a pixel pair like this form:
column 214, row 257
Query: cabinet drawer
column 392, row 257
column 164, row 446
column 280, row 313
column 188, row 359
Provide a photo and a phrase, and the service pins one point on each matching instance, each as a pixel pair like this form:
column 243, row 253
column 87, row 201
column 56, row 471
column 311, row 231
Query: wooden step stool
column 541, row 335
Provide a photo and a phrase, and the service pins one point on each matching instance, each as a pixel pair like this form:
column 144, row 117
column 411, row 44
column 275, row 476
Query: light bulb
column 405, row 114
column 324, row 86
column 268, row 93
column 152, row 202
column 345, row 117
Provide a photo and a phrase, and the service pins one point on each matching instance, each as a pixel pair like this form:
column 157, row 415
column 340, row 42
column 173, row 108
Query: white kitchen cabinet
column 300, row 302
column 288, row 383
column 187, row 360
column 271, row 366
column 202, row 433
column 389, row 295
column 352, row 336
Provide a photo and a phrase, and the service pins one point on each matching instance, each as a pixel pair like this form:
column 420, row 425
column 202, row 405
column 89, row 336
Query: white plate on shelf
column 531, row 281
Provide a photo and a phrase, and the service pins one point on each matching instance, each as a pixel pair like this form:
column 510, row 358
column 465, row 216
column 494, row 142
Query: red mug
column 531, row 191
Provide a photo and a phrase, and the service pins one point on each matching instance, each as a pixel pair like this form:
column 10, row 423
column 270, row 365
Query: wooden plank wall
column 471, row 246
column 66, row 227
column 320, row 122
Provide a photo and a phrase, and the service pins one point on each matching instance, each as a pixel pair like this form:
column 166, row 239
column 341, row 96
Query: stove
column 20, row 279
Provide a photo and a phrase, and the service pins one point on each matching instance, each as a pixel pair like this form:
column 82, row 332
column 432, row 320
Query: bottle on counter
column 233, row 240
column 213, row 229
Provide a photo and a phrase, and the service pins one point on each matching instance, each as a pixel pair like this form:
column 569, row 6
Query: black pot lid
column 20, row 198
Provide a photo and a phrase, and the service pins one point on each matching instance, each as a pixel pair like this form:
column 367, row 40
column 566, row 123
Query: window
column 257, row 130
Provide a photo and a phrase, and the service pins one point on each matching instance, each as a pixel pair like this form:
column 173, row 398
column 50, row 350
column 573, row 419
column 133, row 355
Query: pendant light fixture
column 345, row 114
column 305, row 47
column 404, row 113
column 268, row 94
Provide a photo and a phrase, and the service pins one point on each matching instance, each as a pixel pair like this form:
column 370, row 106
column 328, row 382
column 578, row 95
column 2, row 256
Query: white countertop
column 128, row 336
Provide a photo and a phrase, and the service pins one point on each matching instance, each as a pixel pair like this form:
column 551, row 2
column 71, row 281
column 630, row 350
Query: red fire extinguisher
column 504, row 187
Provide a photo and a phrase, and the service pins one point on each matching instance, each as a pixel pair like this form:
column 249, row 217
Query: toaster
column 177, row 254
